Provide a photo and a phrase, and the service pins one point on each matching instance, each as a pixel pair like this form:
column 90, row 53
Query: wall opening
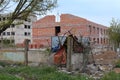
column 57, row 30
column 57, row 18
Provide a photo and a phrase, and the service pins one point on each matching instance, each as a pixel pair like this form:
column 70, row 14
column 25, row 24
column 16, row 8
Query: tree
column 114, row 33
column 3, row 4
column 24, row 8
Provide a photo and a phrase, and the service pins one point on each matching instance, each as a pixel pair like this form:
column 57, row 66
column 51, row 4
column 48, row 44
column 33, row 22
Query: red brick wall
column 48, row 18
column 42, row 36
column 71, row 19
column 44, row 28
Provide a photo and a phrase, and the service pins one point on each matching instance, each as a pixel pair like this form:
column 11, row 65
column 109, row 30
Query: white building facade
column 19, row 30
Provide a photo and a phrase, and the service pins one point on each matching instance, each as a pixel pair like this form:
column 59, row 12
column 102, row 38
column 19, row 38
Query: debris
column 105, row 58
column 60, row 56
column 117, row 70
column 92, row 64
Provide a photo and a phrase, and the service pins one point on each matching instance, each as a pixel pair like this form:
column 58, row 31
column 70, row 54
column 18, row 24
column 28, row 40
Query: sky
column 99, row 11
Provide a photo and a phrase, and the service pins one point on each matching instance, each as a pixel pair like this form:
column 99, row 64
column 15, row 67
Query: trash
column 60, row 56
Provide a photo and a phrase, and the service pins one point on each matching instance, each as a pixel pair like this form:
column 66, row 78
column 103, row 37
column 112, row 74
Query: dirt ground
column 107, row 57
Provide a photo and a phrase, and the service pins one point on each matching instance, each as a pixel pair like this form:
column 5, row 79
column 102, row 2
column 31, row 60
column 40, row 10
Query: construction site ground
column 105, row 61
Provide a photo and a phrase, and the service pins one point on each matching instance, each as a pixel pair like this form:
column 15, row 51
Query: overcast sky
column 99, row 11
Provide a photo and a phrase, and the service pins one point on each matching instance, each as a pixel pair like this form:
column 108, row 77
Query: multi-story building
column 48, row 26
column 19, row 30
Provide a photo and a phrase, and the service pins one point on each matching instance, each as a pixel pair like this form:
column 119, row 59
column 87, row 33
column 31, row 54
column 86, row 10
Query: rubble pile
column 104, row 62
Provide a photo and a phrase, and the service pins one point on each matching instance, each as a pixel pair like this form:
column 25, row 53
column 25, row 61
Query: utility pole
column 26, row 51
column 69, row 52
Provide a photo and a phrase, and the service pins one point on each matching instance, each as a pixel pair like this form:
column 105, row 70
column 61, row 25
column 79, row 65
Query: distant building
column 49, row 26
column 19, row 30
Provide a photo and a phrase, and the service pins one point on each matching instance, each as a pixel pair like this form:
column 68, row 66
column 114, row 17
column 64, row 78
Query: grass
column 45, row 73
column 36, row 73
column 111, row 76
column 9, row 77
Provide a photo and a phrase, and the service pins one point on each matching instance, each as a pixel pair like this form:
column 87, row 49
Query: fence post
column 69, row 52
column 26, row 51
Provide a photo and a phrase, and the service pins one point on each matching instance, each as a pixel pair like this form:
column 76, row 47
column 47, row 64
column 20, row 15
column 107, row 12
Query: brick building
column 48, row 26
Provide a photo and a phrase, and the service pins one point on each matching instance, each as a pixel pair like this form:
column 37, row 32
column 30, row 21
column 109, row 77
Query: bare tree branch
column 5, row 4
column 26, row 7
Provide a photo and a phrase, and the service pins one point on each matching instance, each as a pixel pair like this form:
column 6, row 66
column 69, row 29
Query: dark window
column 29, row 33
column 90, row 29
column 0, row 19
column 29, row 27
column 101, row 40
column 3, row 18
column 29, row 41
column 25, row 26
column 104, row 40
column 25, row 19
column 98, row 40
column 57, row 30
column 8, row 33
column 12, row 33
column 25, row 33
column 94, row 29
column 93, row 39
column 97, row 30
